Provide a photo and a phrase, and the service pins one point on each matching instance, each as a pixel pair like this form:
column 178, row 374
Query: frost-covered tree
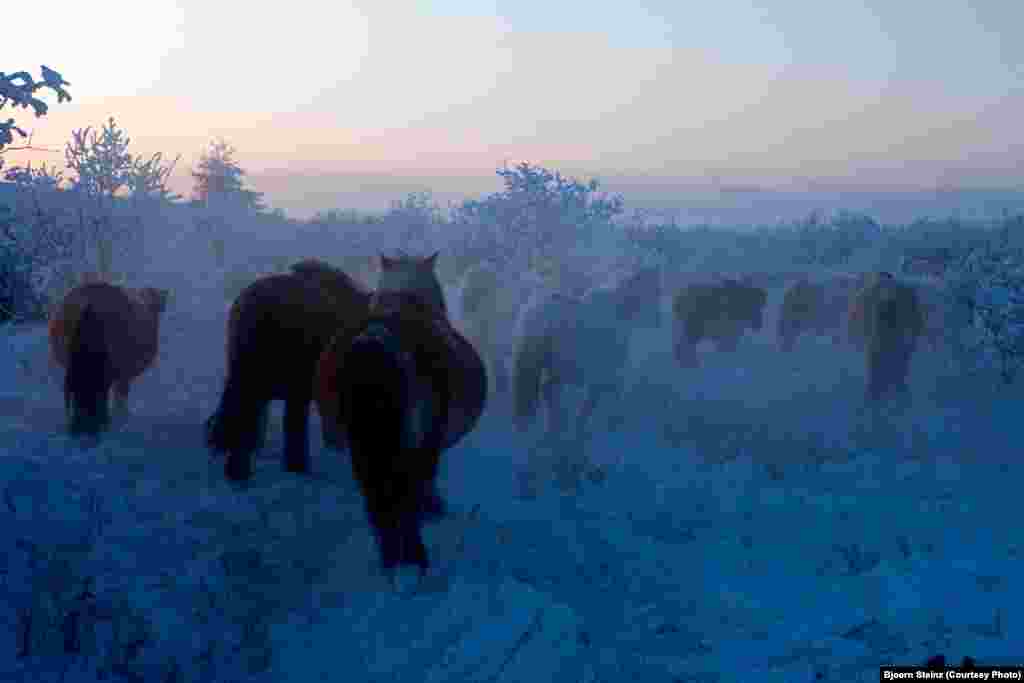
column 19, row 90
column 219, row 180
column 833, row 240
column 539, row 218
column 415, row 220
column 104, row 173
column 26, row 241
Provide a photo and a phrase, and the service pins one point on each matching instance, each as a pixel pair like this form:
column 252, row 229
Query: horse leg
column 333, row 437
column 121, row 389
column 587, row 411
column 413, row 551
column 728, row 342
column 500, row 374
column 552, row 397
column 686, row 351
column 296, row 437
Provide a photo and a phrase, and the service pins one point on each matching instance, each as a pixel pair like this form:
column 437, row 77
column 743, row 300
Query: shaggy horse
column 489, row 308
column 815, row 307
column 105, row 336
column 406, row 386
column 887, row 319
column 276, row 330
column 582, row 342
column 717, row 311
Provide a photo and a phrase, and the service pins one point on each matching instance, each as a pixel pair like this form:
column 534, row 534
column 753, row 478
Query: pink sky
column 393, row 89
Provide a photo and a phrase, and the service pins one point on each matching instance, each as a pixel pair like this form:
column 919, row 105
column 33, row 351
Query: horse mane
column 315, row 267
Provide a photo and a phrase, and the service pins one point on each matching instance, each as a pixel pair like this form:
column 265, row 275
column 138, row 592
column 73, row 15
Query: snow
column 753, row 522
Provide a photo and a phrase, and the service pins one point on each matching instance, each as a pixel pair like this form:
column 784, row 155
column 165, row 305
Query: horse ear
column 432, row 259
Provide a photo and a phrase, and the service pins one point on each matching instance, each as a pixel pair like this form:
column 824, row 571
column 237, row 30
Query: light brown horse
column 405, row 386
column 277, row 328
column 887, row 319
column 815, row 307
column 105, row 336
column 489, row 312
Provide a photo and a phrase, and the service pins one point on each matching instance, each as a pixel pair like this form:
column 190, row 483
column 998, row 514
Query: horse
column 818, row 307
column 406, row 386
column 719, row 311
column 105, row 336
column 489, row 310
column 582, row 342
column 888, row 319
column 277, row 327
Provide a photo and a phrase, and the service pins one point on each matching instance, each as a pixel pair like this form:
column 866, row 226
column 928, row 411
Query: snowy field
column 753, row 522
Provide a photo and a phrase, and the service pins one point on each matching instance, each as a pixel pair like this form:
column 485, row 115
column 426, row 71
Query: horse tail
column 237, row 427
column 393, row 460
column 89, row 375
column 531, row 356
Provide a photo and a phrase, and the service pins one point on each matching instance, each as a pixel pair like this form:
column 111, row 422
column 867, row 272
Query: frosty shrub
column 19, row 252
column 414, row 223
column 654, row 238
column 832, row 241
column 539, row 215
column 986, row 291
column 37, row 243
column 105, row 173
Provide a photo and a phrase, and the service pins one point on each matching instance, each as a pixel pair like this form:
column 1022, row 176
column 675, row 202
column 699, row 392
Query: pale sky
column 875, row 91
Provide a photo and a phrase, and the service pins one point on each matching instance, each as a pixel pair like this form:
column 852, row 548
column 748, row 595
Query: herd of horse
column 397, row 383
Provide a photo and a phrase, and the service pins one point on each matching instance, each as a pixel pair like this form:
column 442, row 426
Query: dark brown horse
column 277, row 328
column 719, row 311
column 105, row 336
column 405, row 387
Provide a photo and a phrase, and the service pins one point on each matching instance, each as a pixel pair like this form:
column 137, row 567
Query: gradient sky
column 873, row 91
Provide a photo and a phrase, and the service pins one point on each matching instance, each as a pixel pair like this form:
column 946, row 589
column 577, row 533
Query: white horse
column 582, row 342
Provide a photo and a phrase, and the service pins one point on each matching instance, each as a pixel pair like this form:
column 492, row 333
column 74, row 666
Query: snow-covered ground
column 753, row 523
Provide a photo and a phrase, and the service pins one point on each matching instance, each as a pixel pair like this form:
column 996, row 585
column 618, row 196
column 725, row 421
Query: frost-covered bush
column 832, row 241
column 653, row 237
column 37, row 243
column 413, row 222
column 539, row 216
column 986, row 291
column 70, row 605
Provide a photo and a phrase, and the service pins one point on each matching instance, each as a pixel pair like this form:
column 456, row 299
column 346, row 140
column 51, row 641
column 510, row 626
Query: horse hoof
column 406, row 579
column 237, row 472
column 296, row 467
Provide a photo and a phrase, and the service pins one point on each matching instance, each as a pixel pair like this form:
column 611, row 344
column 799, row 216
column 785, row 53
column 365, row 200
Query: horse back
column 279, row 325
column 133, row 338
column 444, row 359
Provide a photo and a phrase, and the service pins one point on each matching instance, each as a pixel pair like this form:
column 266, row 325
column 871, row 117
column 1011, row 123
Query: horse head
column 409, row 275
column 640, row 297
column 154, row 299
column 752, row 300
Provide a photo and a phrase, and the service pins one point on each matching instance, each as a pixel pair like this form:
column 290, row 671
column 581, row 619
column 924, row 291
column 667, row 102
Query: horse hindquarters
column 238, row 427
column 296, row 434
column 378, row 403
column 89, row 376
